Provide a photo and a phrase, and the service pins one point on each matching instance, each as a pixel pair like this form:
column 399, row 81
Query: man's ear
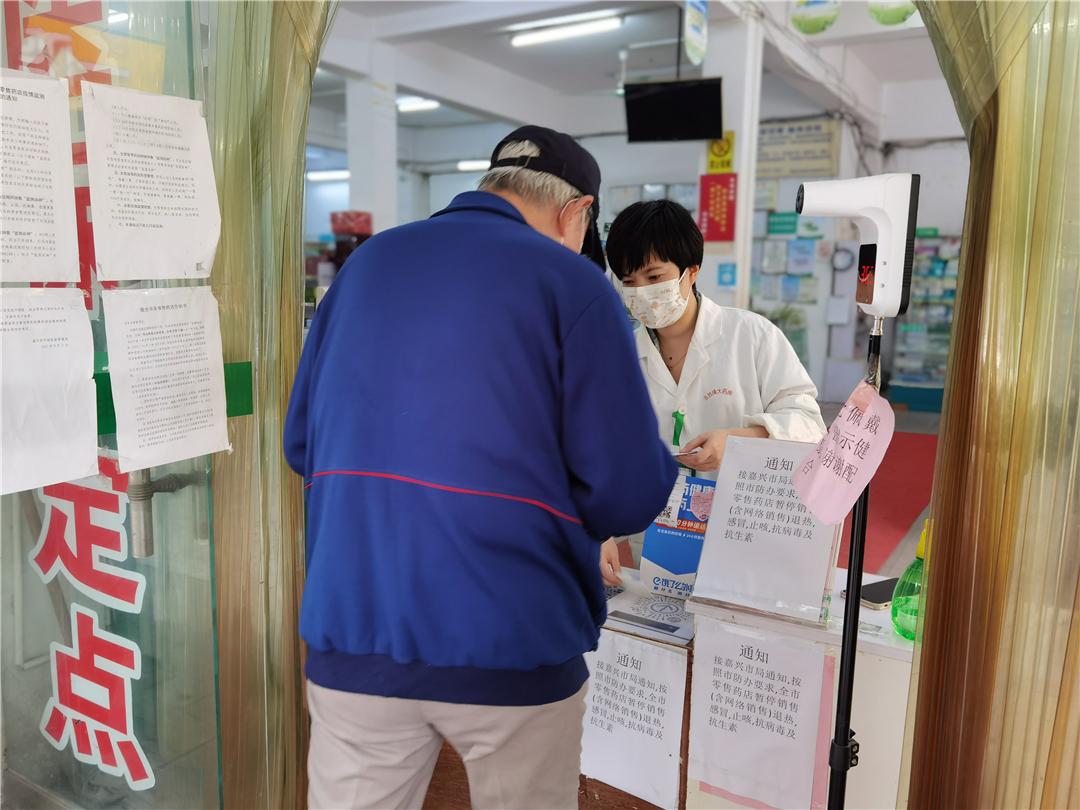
column 574, row 211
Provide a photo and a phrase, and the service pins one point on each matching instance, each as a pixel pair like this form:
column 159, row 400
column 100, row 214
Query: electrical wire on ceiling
column 862, row 145
column 889, row 147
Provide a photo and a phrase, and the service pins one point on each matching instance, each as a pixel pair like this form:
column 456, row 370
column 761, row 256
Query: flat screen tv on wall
column 674, row 111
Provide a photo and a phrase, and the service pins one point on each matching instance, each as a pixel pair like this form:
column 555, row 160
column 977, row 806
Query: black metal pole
column 678, row 46
column 844, row 752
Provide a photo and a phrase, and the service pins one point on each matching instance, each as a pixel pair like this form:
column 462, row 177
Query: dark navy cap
column 568, row 160
column 560, row 155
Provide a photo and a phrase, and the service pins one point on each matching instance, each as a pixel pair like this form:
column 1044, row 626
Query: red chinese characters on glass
column 91, row 704
column 83, row 528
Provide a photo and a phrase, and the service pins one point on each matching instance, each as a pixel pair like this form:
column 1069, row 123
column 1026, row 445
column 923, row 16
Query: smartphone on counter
column 876, row 595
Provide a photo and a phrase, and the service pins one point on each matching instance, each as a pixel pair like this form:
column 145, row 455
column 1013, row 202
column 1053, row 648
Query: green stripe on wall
column 239, row 400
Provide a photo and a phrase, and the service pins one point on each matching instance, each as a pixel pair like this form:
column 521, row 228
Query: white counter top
column 876, row 634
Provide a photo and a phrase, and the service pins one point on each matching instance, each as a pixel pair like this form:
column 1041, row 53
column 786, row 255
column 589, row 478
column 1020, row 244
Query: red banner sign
column 716, row 207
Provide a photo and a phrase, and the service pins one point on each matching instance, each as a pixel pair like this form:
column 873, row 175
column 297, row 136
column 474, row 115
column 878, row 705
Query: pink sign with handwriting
column 832, row 477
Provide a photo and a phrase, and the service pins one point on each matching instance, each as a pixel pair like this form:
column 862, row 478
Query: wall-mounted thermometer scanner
column 884, row 208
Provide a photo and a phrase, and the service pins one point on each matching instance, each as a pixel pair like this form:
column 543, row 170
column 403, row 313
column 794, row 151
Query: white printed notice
column 48, row 403
column 156, row 209
column 756, row 730
column 633, row 718
column 38, row 240
column 763, row 548
column 168, row 379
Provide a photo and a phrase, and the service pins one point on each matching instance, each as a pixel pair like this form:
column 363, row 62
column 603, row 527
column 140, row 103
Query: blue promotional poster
column 672, row 546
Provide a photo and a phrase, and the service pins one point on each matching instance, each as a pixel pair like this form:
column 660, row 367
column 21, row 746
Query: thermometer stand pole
column 844, row 752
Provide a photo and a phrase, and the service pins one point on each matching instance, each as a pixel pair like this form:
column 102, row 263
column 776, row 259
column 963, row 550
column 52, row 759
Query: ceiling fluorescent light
column 411, row 104
column 569, row 18
column 473, row 165
column 116, row 17
column 565, row 32
column 327, row 175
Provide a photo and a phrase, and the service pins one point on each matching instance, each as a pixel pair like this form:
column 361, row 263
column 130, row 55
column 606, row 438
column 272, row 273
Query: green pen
column 676, row 439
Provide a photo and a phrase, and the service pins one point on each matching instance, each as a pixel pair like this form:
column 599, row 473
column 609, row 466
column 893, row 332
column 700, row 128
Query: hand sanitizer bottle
column 908, row 592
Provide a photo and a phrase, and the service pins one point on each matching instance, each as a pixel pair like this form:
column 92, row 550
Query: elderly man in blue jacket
column 471, row 423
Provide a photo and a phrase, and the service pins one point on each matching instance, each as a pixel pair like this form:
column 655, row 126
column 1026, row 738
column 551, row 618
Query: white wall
column 628, row 164
column 919, row 110
column 451, row 144
column 444, row 187
column 943, row 168
column 781, row 100
column 319, row 200
column 326, row 128
column 413, row 196
column 371, row 113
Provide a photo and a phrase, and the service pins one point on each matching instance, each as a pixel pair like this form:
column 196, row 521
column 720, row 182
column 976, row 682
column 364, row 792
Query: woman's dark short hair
column 659, row 229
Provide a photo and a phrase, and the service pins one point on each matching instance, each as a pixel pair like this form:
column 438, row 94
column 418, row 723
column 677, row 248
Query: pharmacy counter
column 880, row 703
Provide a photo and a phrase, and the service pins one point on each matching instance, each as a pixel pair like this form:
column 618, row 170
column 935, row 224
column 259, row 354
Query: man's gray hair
column 539, row 188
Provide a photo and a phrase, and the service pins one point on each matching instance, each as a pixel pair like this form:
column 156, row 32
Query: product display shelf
column 921, row 355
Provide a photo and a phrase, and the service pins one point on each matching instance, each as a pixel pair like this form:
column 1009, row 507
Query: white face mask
column 656, row 305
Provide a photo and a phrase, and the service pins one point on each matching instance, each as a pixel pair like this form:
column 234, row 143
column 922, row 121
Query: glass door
column 108, row 669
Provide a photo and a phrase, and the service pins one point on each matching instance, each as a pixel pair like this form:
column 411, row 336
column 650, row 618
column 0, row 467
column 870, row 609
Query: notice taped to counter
column 764, row 549
column 633, row 718
column 155, row 209
column 760, row 720
column 48, row 403
column 38, row 240
column 168, row 379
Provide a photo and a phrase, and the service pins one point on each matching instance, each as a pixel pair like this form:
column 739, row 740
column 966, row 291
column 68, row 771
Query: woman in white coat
column 712, row 371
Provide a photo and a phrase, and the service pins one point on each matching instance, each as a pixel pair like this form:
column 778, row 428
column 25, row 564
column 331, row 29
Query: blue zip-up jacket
column 471, row 423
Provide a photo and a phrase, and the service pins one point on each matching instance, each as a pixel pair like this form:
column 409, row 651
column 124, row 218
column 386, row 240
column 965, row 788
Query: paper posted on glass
column 38, row 239
column 168, row 379
column 760, row 722
column 672, row 545
column 636, row 751
column 840, row 310
column 774, row 258
column 48, row 401
column 764, row 550
column 151, row 175
column 635, row 609
column 802, row 257
column 830, row 479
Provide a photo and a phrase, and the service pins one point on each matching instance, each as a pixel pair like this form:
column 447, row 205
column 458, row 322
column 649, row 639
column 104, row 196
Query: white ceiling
column 384, row 8
column 591, row 65
column 328, row 93
column 445, row 116
column 586, row 65
column 909, row 57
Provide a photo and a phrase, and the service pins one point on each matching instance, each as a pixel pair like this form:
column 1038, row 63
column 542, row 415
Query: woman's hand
column 610, row 567
column 711, row 445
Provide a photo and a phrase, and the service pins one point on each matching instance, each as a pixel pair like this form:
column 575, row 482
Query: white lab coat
column 740, row 371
